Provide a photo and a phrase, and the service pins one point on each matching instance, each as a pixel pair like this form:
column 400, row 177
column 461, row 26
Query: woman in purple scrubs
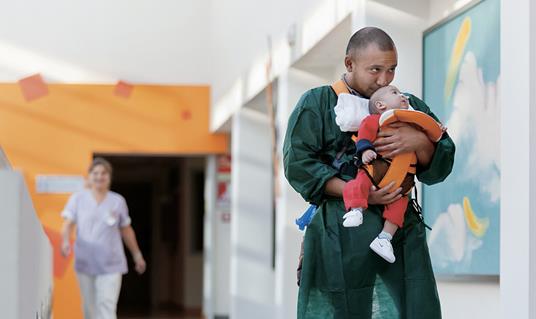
column 102, row 221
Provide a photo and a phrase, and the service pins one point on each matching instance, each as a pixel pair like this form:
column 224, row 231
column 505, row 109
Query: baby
column 356, row 191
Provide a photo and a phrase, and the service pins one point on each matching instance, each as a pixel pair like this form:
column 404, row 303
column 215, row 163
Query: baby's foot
column 383, row 247
column 353, row 218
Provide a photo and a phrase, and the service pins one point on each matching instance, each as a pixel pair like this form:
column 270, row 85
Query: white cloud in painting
column 450, row 241
column 475, row 123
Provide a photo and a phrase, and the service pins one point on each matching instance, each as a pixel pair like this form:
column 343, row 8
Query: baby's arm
column 367, row 133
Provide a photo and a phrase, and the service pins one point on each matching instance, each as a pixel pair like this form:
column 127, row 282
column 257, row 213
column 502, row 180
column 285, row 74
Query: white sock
column 385, row 235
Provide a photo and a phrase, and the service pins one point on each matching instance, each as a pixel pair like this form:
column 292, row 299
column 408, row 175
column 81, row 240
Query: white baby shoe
column 383, row 247
column 353, row 218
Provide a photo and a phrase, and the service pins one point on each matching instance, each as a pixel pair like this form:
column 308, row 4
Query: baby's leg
column 394, row 215
column 394, row 218
column 390, row 228
column 355, row 192
column 355, row 196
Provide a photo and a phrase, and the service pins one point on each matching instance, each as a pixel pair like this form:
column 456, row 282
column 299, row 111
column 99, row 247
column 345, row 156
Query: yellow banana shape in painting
column 456, row 56
column 478, row 226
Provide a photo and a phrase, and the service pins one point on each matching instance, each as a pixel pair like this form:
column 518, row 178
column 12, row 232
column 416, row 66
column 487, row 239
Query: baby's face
column 392, row 98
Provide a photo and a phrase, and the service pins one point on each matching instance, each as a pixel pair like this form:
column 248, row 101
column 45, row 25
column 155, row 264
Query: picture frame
column 461, row 77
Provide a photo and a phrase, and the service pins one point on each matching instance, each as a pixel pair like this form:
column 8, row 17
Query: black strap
column 417, row 209
column 348, row 169
column 358, row 162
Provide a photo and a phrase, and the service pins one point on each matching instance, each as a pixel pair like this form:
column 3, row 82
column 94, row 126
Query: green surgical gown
column 342, row 277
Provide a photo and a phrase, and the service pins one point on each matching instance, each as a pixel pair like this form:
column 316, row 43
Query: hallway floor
column 161, row 317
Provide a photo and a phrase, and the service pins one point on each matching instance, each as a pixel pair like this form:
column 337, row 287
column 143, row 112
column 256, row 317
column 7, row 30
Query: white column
column 217, row 241
column 252, row 274
column 209, row 245
column 291, row 85
column 518, row 177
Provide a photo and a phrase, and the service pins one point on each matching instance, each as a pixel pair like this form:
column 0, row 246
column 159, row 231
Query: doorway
column 165, row 198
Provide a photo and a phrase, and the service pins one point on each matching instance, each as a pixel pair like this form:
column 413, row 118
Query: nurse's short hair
column 368, row 35
column 100, row 161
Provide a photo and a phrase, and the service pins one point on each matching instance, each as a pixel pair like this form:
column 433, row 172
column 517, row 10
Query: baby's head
column 387, row 98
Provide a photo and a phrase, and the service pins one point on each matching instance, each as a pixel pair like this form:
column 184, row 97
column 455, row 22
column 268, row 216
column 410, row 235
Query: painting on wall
column 461, row 85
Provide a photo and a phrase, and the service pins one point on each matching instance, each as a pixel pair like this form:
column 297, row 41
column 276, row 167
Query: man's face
column 370, row 69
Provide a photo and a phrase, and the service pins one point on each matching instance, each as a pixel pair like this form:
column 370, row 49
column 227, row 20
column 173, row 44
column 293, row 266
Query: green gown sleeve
column 304, row 168
column 443, row 159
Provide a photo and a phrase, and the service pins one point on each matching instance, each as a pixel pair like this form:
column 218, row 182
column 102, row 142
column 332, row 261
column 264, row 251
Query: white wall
column 440, row 9
column 465, row 297
column 240, row 29
column 474, row 298
column 405, row 26
column 203, row 41
column 252, row 274
column 518, row 178
column 9, row 236
column 164, row 42
column 101, row 41
column 242, row 75
column 26, row 263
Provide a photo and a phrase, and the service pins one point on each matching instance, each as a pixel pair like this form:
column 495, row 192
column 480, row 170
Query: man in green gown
column 341, row 277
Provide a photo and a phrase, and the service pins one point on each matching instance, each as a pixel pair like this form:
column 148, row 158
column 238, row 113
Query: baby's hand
column 368, row 156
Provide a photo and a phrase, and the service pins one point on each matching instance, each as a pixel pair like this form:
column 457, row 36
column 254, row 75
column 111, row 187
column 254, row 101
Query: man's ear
column 348, row 63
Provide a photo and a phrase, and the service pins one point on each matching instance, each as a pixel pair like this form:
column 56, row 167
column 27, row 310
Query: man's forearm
column 334, row 187
column 425, row 153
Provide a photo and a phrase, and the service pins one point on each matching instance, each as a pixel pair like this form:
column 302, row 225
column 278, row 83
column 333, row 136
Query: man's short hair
column 365, row 36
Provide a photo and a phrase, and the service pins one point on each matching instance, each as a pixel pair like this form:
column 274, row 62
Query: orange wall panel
column 60, row 132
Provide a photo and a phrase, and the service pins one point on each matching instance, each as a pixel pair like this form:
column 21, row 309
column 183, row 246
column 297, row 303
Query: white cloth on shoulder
column 350, row 111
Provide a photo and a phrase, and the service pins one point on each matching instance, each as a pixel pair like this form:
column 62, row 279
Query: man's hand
column 403, row 138
column 383, row 196
column 368, row 156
